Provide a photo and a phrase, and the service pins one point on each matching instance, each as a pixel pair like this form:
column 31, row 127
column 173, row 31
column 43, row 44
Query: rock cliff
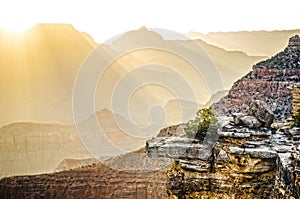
column 250, row 158
column 121, row 177
column 243, row 163
column 268, row 82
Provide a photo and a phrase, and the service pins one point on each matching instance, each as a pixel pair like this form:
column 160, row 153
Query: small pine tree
column 204, row 122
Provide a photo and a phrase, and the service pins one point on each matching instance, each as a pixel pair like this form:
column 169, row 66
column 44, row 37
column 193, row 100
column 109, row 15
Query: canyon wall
column 243, row 163
column 120, row 177
column 269, row 82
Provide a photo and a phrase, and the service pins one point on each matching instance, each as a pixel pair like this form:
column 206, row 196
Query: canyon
column 240, row 161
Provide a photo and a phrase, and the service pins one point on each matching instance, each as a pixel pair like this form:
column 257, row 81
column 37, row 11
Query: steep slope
column 269, row 82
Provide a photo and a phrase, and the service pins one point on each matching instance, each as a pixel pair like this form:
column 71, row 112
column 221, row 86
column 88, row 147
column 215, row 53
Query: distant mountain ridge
column 261, row 43
column 44, row 61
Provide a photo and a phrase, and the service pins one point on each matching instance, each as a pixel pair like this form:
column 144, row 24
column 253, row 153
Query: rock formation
column 95, row 181
column 294, row 42
column 268, row 82
column 262, row 112
column 243, row 163
column 250, row 159
column 121, row 177
column 259, row 114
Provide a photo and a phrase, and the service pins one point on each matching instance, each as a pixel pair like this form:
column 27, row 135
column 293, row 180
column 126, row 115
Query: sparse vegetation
column 204, row 122
column 296, row 117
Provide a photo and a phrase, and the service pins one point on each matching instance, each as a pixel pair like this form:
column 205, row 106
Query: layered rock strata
column 243, row 163
column 269, row 82
column 286, row 144
column 135, row 180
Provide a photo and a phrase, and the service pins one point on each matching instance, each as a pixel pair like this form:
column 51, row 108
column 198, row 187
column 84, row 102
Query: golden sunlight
column 16, row 27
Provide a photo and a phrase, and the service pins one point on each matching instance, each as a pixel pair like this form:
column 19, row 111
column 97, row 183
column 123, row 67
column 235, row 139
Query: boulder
column 237, row 118
column 262, row 112
column 250, row 121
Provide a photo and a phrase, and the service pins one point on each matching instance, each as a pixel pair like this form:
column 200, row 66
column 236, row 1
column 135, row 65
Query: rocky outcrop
column 243, row 163
column 262, row 112
column 268, row 82
column 249, row 160
column 294, row 42
column 259, row 114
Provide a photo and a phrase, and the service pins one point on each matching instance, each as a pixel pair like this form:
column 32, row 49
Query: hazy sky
column 105, row 19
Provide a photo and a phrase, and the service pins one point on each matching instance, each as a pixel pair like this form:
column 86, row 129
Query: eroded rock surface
column 269, row 82
column 260, row 110
column 259, row 114
column 244, row 163
column 129, row 176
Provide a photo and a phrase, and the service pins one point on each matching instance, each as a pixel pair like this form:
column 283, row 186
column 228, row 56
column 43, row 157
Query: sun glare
column 15, row 27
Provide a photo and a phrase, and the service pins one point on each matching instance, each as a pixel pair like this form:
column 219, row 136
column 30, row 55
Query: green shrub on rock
column 296, row 118
column 204, row 122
